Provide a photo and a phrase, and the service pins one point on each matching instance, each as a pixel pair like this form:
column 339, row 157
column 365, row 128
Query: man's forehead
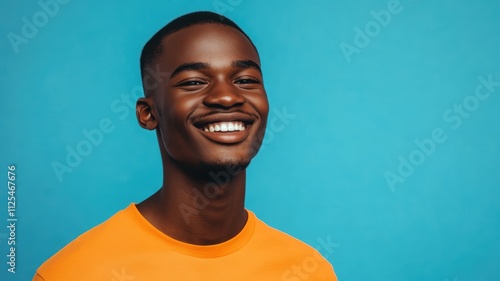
column 206, row 42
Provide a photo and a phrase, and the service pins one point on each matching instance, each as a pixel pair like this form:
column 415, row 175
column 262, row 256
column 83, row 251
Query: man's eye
column 246, row 81
column 191, row 83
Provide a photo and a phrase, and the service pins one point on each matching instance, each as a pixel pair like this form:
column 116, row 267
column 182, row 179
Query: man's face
column 213, row 108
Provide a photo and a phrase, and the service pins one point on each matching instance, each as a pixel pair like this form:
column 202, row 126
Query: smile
column 224, row 127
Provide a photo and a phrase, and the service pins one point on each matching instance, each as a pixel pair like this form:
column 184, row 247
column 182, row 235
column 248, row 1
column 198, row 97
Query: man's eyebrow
column 246, row 64
column 189, row 66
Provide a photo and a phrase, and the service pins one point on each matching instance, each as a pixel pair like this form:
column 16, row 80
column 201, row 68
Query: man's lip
column 247, row 119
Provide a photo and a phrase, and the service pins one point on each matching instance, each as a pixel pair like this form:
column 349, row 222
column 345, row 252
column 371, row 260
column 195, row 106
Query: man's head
column 210, row 107
column 153, row 49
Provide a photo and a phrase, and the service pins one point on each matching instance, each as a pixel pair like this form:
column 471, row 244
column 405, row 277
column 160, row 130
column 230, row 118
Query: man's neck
column 198, row 209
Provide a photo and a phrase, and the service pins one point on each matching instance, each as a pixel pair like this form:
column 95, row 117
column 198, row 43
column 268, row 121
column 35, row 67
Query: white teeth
column 224, row 127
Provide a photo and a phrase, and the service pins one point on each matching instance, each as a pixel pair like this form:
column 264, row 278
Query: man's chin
column 233, row 167
column 202, row 168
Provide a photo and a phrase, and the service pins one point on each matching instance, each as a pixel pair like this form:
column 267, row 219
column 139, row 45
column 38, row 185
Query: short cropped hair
column 153, row 49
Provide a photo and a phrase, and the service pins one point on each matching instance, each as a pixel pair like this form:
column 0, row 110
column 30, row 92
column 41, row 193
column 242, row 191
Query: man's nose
column 223, row 94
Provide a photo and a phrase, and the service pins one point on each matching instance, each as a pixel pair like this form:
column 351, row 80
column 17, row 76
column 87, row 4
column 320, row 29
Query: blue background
column 322, row 176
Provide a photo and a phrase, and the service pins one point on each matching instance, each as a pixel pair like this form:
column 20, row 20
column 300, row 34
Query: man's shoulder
column 276, row 239
column 91, row 245
column 280, row 247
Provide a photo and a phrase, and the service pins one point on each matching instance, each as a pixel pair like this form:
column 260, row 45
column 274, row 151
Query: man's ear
column 146, row 113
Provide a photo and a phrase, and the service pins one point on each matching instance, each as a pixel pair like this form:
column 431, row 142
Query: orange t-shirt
column 127, row 247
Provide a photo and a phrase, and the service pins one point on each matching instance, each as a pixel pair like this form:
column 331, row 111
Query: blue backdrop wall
column 385, row 155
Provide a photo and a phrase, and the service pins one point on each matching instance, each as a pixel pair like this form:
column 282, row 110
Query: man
column 209, row 114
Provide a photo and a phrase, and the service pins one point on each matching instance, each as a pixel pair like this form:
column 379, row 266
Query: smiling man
column 209, row 111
